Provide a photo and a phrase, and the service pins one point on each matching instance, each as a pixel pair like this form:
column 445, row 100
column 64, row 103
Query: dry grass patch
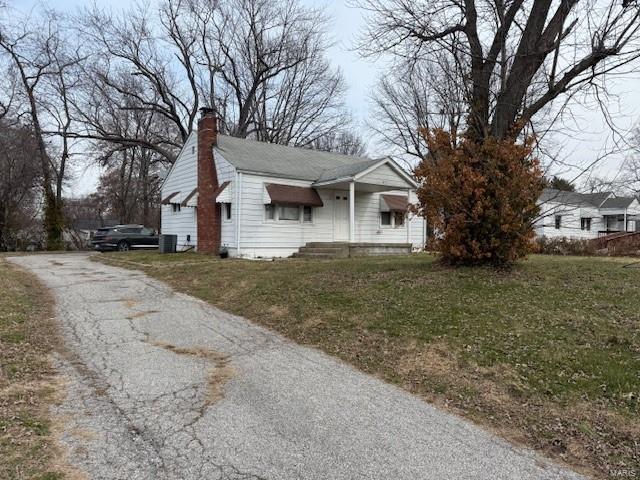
column 219, row 374
column 28, row 384
column 144, row 313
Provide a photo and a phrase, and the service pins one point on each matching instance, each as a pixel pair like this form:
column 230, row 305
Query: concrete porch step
column 334, row 250
column 345, row 249
column 316, row 255
column 327, row 244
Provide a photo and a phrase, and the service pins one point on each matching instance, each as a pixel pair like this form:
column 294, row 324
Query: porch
column 619, row 223
column 369, row 201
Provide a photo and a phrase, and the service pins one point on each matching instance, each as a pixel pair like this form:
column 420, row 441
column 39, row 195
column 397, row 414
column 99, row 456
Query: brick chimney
column 209, row 212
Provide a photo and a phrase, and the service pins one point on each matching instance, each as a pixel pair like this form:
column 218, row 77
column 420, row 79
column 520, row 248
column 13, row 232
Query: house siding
column 571, row 215
column 183, row 178
column 262, row 238
column 570, row 226
column 384, row 175
column 227, row 172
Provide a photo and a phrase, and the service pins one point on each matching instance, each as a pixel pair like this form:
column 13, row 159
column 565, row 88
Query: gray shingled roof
column 288, row 162
column 348, row 170
column 573, row 198
column 617, row 202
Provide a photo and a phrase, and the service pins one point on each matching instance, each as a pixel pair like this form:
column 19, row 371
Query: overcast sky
column 581, row 137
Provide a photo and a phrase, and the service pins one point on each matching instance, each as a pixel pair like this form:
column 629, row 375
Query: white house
column 265, row 200
column 585, row 215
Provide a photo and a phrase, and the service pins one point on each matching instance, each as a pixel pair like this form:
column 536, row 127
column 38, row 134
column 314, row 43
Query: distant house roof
column 289, row 162
column 574, row 198
column 90, row 224
column 617, row 202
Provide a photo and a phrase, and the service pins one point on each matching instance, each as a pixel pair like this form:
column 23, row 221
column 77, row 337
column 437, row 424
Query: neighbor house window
column 585, row 224
column 307, row 214
column 175, row 207
column 289, row 213
column 270, row 212
column 226, row 209
column 558, row 222
column 385, row 219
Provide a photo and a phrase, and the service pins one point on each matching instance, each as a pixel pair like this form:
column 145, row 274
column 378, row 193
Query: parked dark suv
column 124, row 238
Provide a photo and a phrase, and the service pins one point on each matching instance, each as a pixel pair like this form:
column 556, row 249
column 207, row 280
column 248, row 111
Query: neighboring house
column 81, row 230
column 266, row 200
column 585, row 215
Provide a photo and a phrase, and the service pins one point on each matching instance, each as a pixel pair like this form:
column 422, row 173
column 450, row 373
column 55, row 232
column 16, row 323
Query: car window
column 147, row 231
column 129, row 230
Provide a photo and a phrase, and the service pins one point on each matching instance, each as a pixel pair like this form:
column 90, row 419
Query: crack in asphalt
column 141, row 361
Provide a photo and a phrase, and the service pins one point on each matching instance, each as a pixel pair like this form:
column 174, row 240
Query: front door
column 340, row 216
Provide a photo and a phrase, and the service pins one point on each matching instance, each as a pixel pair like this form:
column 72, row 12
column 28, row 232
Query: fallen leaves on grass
column 28, row 384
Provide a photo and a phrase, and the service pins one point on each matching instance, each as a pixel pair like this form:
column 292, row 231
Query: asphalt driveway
column 164, row 386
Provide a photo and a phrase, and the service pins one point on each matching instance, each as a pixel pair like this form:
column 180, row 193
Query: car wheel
column 123, row 246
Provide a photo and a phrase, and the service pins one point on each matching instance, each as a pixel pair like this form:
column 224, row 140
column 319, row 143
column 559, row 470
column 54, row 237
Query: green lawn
column 27, row 383
column 547, row 354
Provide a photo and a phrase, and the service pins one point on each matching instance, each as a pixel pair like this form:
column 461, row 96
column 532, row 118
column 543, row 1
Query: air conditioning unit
column 167, row 243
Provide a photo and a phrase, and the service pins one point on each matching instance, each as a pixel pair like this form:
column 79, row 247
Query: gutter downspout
column 238, row 210
column 409, row 222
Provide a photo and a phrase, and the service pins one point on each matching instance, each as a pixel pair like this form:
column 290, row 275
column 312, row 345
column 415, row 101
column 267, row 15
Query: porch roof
column 365, row 173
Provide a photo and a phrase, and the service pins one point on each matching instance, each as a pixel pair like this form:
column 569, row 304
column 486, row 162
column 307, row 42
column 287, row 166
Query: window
column 226, row 212
column 193, row 149
column 269, row 212
column 558, row 220
column 175, row 207
column 129, row 230
column 289, row 213
column 147, row 231
column 307, row 214
column 585, row 224
column 393, row 219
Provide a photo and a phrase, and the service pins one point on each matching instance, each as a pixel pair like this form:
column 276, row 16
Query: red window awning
column 167, row 199
column 396, row 203
column 220, row 189
column 189, row 197
column 290, row 195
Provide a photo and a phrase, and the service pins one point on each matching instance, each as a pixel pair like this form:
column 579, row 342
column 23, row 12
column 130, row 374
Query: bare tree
column 47, row 71
column 21, row 176
column 303, row 106
column 416, row 95
column 514, row 58
column 511, row 59
column 629, row 178
column 130, row 187
column 346, row 143
column 260, row 63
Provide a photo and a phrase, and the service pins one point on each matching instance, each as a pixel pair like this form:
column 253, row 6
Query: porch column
column 408, row 220
column 352, row 212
